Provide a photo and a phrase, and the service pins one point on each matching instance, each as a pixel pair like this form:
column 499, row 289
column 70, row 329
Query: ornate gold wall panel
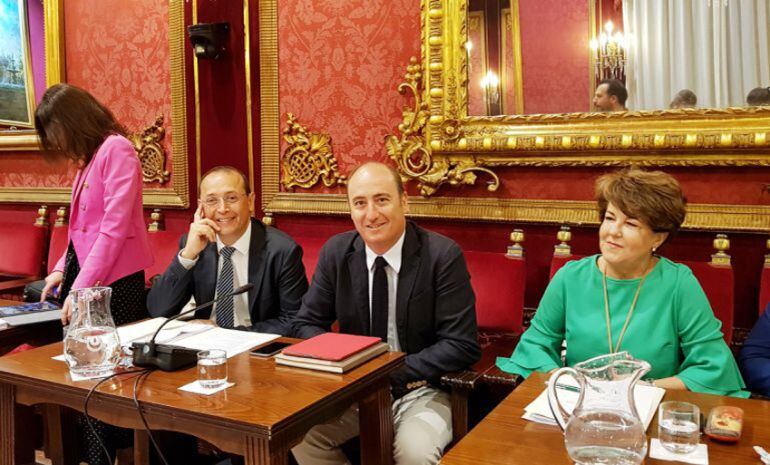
column 308, row 158
column 732, row 137
column 178, row 196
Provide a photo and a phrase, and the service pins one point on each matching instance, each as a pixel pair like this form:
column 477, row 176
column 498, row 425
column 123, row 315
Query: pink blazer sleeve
column 121, row 175
column 60, row 263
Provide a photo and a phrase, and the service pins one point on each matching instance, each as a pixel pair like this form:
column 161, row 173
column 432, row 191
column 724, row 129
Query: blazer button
column 83, row 229
column 85, row 185
column 83, row 207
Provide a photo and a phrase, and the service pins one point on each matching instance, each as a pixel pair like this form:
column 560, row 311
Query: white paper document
column 646, row 398
column 196, row 336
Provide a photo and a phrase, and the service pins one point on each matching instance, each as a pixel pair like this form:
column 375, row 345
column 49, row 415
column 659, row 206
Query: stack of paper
column 646, row 398
column 333, row 352
column 196, row 336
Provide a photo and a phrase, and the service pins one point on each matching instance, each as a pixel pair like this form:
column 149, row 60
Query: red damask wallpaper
column 340, row 63
column 118, row 51
column 554, row 54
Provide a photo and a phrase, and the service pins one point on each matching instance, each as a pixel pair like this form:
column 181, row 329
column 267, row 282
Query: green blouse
column 672, row 327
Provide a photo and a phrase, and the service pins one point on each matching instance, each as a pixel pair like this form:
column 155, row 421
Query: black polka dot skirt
column 128, row 304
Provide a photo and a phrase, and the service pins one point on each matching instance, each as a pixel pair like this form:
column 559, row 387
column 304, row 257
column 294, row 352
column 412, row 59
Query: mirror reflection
column 563, row 56
column 22, row 61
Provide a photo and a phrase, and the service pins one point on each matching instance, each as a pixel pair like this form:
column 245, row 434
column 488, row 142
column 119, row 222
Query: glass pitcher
column 604, row 427
column 91, row 346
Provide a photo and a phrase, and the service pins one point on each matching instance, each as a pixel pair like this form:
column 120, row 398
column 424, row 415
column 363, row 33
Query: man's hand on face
column 202, row 231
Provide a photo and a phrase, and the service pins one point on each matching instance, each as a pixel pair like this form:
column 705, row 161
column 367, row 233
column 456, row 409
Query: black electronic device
column 269, row 349
column 168, row 357
column 209, row 40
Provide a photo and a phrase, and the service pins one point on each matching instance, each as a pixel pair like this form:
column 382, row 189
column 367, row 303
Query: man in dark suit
column 226, row 248
column 755, row 356
column 393, row 279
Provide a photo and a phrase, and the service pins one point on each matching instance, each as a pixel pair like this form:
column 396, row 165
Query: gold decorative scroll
column 151, row 153
column 308, row 158
column 413, row 158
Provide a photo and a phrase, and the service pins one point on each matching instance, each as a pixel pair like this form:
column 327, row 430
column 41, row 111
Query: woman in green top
column 628, row 298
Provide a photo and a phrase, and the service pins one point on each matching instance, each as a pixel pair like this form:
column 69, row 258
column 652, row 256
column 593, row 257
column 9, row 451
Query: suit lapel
column 359, row 277
column 256, row 260
column 407, row 276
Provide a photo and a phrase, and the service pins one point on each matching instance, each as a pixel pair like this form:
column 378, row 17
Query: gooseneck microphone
column 170, row 357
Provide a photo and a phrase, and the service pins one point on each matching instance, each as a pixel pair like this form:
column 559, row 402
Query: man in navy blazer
column 429, row 313
column 226, row 248
column 755, row 356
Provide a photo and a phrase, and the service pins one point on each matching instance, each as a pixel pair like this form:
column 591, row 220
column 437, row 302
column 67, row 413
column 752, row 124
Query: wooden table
column 267, row 412
column 503, row 437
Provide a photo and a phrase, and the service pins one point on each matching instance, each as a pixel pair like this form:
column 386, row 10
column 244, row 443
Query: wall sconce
column 610, row 54
column 208, row 39
column 490, row 84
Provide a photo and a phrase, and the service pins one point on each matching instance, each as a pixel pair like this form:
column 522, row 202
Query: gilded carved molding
column 151, row 153
column 683, row 137
column 308, row 158
column 413, row 158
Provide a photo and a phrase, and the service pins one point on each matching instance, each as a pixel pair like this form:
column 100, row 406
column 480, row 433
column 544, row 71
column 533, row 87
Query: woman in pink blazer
column 108, row 243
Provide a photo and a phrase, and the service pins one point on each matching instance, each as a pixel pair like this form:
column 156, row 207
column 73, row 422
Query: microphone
column 170, row 357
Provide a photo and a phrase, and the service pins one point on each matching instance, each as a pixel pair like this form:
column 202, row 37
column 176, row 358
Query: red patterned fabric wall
column 340, row 62
column 555, row 55
column 118, row 51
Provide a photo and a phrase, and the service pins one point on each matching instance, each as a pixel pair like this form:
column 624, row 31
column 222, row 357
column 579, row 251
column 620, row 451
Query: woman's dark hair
column 71, row 123
column 653, row 197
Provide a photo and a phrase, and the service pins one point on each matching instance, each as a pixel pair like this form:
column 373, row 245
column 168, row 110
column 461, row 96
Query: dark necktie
column 380, row 300
column 225, row 307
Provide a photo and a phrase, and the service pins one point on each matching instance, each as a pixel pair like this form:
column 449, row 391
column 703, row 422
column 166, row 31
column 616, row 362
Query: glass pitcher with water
column 91, row 346
column 604, row 427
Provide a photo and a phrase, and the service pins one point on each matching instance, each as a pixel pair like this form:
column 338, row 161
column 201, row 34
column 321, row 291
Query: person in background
column 630, row 298
column 610, row 95
column 685, row 98
column 758, row 96
column 410, row 287
column 755, row 356
column 108, row 243
column 226, row 248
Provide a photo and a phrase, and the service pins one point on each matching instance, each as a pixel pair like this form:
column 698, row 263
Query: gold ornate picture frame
column 440, row 147
column 178, row 195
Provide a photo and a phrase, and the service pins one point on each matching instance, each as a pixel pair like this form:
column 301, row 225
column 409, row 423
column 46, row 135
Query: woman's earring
column 654, row 248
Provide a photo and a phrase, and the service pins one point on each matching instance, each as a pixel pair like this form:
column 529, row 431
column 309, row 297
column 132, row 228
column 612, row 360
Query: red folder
column 331, row 346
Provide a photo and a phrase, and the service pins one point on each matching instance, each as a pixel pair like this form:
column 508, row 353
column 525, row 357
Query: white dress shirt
column 240, row 259
column 393, row 257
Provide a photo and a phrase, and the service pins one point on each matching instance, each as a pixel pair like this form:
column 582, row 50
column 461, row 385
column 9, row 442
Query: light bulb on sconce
column 609, row 51
column 490, row 84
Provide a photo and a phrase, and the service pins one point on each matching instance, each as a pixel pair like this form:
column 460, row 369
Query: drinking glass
column 212, row 368
column 678, row 426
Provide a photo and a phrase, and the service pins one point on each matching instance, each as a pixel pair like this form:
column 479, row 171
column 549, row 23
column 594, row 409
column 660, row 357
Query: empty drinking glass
column 679, row 426
column 212, row 368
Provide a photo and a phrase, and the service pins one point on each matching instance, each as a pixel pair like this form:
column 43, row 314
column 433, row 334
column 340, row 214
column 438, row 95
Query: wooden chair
column 22, row 248
column 164, row 245
column 498, row 281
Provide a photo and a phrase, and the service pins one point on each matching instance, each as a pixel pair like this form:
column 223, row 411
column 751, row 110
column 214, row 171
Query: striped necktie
column 225, row 307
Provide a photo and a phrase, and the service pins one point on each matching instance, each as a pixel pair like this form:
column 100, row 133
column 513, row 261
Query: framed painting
column 16, row 85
